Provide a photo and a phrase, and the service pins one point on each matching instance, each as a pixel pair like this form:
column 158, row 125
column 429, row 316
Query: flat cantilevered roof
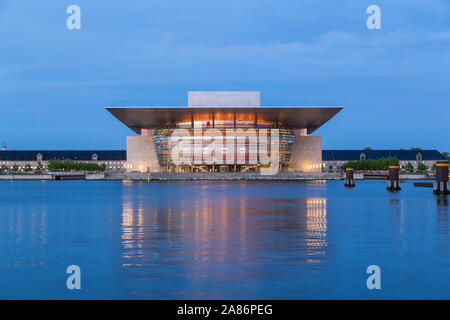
column 136, row 118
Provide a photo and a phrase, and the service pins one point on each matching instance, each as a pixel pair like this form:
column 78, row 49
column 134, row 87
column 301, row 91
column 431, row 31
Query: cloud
column 297, row 52
column 147, row 42
column 332, row 54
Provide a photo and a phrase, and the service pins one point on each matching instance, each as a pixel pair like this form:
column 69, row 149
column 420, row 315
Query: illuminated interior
column 244, row 130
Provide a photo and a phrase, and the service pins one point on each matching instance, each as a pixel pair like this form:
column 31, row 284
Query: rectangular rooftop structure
column 224, row 99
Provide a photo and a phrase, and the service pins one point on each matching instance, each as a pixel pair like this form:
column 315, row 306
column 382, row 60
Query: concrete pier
column 239, row 176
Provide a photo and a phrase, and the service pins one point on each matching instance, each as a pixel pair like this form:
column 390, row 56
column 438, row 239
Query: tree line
column 57, row 165
column 69, row 165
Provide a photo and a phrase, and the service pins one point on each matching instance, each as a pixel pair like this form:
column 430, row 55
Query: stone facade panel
column 141, row 154
column 306, row 153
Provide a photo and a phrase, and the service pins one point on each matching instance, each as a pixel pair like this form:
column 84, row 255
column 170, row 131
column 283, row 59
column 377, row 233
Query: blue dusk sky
column 393, row 83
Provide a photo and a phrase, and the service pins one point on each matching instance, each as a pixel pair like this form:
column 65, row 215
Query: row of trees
column 421, row 167
column 58, row 165
column 69, row 165
column 371, row 165
column 383, row 164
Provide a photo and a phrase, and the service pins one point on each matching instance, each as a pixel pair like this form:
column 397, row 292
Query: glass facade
column 225, row 141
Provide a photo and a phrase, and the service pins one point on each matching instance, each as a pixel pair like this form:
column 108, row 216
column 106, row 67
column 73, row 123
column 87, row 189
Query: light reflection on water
column 316, row 226
column 222, row 240
column 210, row 225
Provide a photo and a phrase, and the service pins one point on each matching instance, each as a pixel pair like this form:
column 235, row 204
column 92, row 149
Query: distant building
column 334, row 159
column 113, row 159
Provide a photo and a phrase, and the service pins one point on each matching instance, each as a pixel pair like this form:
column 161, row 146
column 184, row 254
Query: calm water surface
column 206, row 240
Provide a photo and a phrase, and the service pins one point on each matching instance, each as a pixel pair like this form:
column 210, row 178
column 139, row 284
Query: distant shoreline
column 164, row 176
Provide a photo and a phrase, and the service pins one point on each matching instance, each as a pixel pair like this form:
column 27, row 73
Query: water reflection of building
column 442, row 223
column 316, row 226
column 202, row 231
column 26, row 228
column 397, row 214
column 317, row 184
column 133, row 231
column 442, row 201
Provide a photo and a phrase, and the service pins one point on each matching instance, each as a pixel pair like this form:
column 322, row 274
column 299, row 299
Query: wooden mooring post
column 393, row 183
column 441, row 186
column 349, row 180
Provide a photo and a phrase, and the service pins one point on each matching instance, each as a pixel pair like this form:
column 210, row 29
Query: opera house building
column 224, row 132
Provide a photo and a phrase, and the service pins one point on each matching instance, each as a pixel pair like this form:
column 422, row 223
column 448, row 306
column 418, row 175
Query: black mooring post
column 349, row 181
column 441, row 186
column 393, row 182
